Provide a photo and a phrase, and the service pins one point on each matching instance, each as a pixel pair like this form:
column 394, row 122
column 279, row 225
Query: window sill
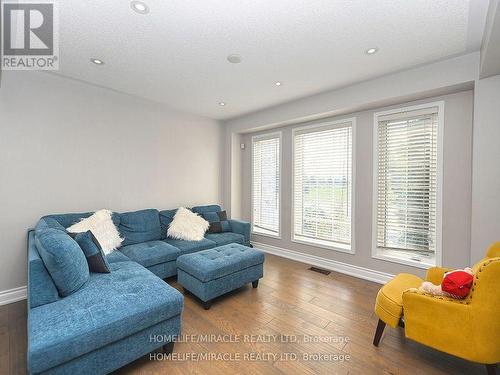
column 405, row 258
column 324, row 245
column 264, row 234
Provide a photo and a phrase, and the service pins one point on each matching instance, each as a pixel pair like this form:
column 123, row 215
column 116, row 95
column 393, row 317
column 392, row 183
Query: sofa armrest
column 436, row 274
column 241, row 227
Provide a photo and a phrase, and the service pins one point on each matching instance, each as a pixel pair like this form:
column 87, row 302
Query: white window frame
column 261, row 137
column 399, row 256
column 315, row 127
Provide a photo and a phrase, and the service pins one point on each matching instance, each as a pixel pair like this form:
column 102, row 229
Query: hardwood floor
column 290, row 302
column 13, row 338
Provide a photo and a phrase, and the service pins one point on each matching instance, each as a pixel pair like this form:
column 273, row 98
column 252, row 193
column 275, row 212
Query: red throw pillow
column 457, row 283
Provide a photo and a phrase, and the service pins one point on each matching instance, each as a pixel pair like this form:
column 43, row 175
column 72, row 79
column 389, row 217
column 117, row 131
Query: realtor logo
column 30, row 35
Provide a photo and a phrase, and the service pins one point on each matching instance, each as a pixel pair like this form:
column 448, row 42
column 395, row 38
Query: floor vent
column 320, row 270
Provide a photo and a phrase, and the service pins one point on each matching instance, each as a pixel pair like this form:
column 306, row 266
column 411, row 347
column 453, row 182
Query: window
column 407, row 175
column 323, row 185
column 266, row 184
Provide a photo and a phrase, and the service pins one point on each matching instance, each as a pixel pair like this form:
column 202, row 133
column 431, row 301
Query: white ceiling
column 177, row 53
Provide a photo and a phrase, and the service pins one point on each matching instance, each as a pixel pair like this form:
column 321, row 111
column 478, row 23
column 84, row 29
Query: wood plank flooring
column 13, row 338
column 291, row 302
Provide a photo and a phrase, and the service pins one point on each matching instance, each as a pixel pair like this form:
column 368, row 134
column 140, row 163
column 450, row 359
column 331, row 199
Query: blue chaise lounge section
column 111, row 319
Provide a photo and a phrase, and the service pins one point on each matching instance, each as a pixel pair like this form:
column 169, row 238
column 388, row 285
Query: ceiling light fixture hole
column 139, row 7
column 234, row 58
column 371, row 51
column 97, row 61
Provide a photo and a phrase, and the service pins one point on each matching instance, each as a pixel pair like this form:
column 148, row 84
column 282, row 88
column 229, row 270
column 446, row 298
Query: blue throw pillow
column 218, row 221
column 64, row 260
column 93, row 252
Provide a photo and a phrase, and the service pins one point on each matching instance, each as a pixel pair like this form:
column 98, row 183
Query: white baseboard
column 12, row 295
column 329, row 264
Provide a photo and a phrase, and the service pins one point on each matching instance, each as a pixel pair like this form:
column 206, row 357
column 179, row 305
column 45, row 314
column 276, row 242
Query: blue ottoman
column 213, row 272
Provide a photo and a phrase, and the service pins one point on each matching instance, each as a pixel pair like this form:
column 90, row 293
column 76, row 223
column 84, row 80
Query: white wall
column 236, row 188
column 434, row 79
column 490, row 48
column 457, row 162
column 486, row 167
column 423, row 81
column 68, row 147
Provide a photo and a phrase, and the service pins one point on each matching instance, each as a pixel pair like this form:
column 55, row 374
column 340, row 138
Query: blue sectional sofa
column 111, row 320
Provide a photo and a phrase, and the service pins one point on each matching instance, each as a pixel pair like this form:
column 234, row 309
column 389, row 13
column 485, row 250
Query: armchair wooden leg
column 378, row 332
column 491, row 369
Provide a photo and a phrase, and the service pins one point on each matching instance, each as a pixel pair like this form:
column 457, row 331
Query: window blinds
column 322, row 185
column 407, row 181
column 266, row 185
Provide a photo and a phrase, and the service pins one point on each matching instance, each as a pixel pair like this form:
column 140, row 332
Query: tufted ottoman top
column 220, row 261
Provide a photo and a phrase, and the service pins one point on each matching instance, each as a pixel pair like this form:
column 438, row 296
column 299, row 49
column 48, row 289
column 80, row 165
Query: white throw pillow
column 187, row 226
column 102, row 227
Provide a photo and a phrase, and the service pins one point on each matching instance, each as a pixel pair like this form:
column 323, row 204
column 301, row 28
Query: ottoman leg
column 206, row 304
column 168, row 348
column 255, row 283
column 378, row 332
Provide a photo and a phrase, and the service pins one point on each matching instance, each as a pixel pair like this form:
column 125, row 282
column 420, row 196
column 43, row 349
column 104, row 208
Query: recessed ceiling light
column 278, row 83
column 97, row 61
column 371, row 51
column 222, row 104
column 139, row 7
column 234, row 59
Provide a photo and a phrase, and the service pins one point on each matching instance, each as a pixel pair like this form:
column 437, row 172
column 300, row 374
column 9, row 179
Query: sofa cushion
column 41, row 287
column 67, row 220
column 150, row 253
column 220, row 261
column 164, row 270
column 225, row 238
column 110, row 307
column 187, row 247
column 49, row 222
column 207, row 208
column 140, row 226
column 166, row 217
column 64, row 260
column 93, row 252
column 117, row 256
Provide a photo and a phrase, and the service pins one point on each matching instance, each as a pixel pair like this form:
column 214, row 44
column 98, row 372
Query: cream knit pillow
column 187, row 226
column 102, row 227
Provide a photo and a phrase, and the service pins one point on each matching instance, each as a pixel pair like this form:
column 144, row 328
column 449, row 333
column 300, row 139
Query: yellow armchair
column 468, row 328
column 436, row 274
